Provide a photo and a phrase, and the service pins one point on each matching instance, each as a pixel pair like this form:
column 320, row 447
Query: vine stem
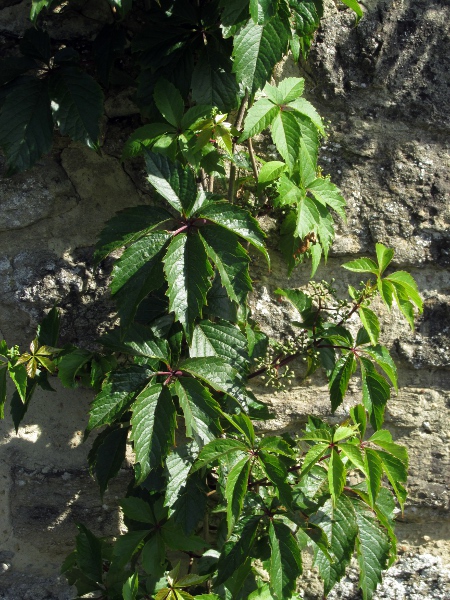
column 238, row 125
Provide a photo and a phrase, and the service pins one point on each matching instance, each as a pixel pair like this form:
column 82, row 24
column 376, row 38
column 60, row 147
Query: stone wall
column 384, row 86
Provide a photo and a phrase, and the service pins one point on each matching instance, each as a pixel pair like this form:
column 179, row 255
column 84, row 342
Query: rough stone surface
column 384, row 86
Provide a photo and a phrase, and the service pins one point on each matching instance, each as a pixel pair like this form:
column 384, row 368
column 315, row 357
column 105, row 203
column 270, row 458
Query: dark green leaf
column 175, row 183
column 138, row 340
column 258, row 48
column 396, row 472
column 340, row 378
column 221, row 339
column 48, row 329
column 276, row 471
column 359, row 416
column 313, row 455
column 213, row 83
column 218, row 450
column 26, row 134
column 371, row 324
column 110, row 454
column 124, row 548
column 117, row 395
column 235, row 553
column 236, row 220
column 12, row 67
column 373, row 472
column 177, row 467
column 77, row 103
column 262, row 11
column 285, row 560
column 2, row 391
column 381, row 356
column 169, row 102
column 137, row 510
column 108, row 45
column 144, row 137
column 89, row 554
column 18, row 374
column 153, row 426
column 336, row 475
column 217, row 373
column 154, row 556
column 258, row 118
column 130, row 587
column 188, row 274
column 70, row 364
column 236, row 488
column 201, row 411
column 190, row 506
column 232, row 261
column 376, row 393
column 36, row 44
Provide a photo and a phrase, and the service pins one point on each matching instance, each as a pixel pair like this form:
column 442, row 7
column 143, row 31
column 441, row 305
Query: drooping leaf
column 116, row 395
column 26, row 134
column 232, row 261
column 188, row 274
column 384, row 439
column 373, row 472
column 339, row 524
column 376, row 393
column 404, row 281
column 109, row 455
column 380, row 355
column 153, row 426
column 169, row 102
column 77, row 104
column 336, row 475
column 137, row 510
column 372, row 549
column 276, row 471
column 201, row 411
column 189, row 509
column 237, row 220
column 177, row 467
column 285, row 560
column 235, row 490
column 89, row 554
column 340, row 378
column 371, row 324
column 18, row 374
column 125, row 546
column 396, row 472
column 153, row 555
column 236, row 552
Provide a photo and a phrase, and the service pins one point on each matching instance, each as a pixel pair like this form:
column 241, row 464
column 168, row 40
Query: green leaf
column 138, row 340
column 313, row 455
column 107, row 455
column 373, row 473
column 218, row 450
column 169, row 102
column 18, row 374
column 396, row 472
column 48, row 329
column 137, row 510
column 235, row 490
column 70, row 364
column 384, row 256
column 306, row 109
column 371, row 323
column 386, row 289
column 380, row 354
column 217, row 373
column 258, row 118
column 201, row 412
column 89, row 554
column 36, row 44
column 174, row 182
column 286, row 134
column 236, row 220
column 130, row 587
column 269, row 172
column 262, row 11
column 354, row 5
column 213, row 83
column 290, row 89
column 153, row 425
column 125, row 546
column 177, row 467
column 285, row 560
column 328, row 194
column 77, row 104
column 153, row 556
column 232, row 261
column 301, row 301
column 354, row 454
column 308, row 217
column 362, row 265
column 128, row 226
column 359, row 417
column 189, row 508
column 108, row 45
column 144, row 137
column 235, row 553
column 2, row 391
column 376, row 393
column 336, row 475
column 403, row 280
column 277, row 474
column 26, row 134
column 372, row 549
column 339, row 524
column 188, row 274
column 309, row 148
column 12, row 67
column 221, row 339
column 383, row 439
column 116, row 396
column 257, row 49
column 37, row 6
column 340, row 378
column 276, row 445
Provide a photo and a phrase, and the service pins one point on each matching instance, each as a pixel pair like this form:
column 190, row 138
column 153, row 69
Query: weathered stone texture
column 384, row 85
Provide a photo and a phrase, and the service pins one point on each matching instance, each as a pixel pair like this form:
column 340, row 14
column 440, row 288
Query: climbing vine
column 217, row 508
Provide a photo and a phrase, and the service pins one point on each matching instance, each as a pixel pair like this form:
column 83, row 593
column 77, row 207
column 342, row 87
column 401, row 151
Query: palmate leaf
column 26, row 126
column 236, row 220
column 285, row 560
column 77, row 104
column 328, row 194
column 231, row 260
column 201, row 412
column 116, row 396
column 188, row 274
column 153, row 425
column 258, row 48
column 339, row 524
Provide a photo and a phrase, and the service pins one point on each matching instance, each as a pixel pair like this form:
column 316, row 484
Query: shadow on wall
column 48, row 486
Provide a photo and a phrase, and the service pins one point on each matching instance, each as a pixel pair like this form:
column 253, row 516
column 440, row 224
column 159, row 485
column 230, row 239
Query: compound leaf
column 235, row 490
column 285, row 560
column 201, row 411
